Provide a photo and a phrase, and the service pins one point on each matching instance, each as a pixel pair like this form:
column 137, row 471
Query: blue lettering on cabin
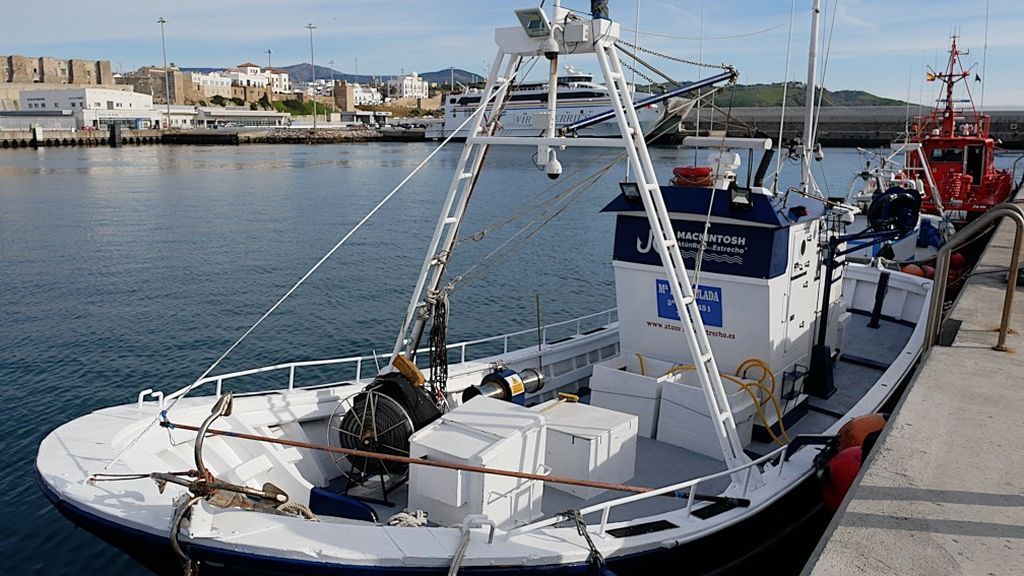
column 709, row 302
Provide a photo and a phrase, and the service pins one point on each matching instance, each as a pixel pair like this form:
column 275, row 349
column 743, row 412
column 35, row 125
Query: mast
column 812, row 64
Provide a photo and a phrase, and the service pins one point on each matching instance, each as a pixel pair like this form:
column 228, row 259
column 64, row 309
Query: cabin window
column 948, row 155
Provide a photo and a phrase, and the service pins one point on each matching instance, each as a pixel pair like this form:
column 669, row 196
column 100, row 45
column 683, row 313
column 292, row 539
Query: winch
column 506, row 384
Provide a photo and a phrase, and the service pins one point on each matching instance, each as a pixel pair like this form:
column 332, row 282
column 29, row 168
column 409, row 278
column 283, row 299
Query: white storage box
column 481, row 432
column 588, row 443
column 631, row 384
column 684, row 419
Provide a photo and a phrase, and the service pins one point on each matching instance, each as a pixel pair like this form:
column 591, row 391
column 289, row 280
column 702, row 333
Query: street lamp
column 167, row 82
column 331, row 64
column 270, row 64
column 312, row 66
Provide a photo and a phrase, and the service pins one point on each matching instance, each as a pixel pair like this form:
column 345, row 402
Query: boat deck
column 660, row 464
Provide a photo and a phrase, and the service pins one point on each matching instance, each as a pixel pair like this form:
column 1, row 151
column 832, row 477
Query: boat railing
column 549, row 335
column 689, row 488
column 1009, row 210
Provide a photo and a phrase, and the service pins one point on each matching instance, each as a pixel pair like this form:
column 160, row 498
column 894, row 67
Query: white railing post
column 220, row 385
column 291, row 378
column 604, row 520
column 359, row 370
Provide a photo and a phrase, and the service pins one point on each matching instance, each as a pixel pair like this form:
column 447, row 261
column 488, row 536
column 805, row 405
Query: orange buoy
column 912, row 269
column 853, row 432
column 841, row 471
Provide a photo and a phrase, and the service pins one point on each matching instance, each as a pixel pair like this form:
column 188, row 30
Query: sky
column 881, row 46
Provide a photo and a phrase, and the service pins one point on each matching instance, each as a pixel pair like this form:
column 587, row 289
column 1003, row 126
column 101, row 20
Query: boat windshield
column 947, row 155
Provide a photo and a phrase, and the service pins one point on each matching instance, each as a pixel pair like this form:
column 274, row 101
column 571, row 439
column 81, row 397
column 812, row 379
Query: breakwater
column 840, row 126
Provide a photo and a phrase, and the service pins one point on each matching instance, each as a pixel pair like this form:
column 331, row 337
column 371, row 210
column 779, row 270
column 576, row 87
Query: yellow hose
column 641, row 359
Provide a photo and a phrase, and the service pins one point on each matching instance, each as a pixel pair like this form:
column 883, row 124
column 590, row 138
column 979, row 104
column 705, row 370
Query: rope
column 460, row 554
column 439, row 349
column 339, row 244
column 581, row 527
column 576, row 192
column 406, row 520
column 785, row 89
column 299, row 510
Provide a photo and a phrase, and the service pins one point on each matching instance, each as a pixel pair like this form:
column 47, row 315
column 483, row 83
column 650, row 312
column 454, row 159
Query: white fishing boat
column 732, row 355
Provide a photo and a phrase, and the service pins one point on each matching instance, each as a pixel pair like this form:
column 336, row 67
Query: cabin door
column 974, row 163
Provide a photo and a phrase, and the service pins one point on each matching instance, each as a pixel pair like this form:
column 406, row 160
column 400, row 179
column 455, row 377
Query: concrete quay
column 943, row 491
column 54, row 138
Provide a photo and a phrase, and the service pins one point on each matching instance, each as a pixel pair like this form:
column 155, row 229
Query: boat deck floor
column 867, row 353
column 657, row 464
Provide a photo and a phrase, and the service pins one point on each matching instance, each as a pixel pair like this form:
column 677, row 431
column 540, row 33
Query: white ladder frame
column 632, row 140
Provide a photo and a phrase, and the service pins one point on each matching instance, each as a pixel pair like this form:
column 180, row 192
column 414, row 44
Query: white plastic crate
column 684, row 420
column 589, row 443
column 481, row 432
column 631, row 384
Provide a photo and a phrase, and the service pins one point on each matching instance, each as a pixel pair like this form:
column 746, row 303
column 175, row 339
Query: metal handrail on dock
column 1006, row 210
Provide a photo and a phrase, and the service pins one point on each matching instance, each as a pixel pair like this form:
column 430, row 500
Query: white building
column 249, row 74
column 212, row 84
column 96, row 107
column 279, row 81
column 366, row 95
column 238, row 117
column 322, row 87
column 409, row 86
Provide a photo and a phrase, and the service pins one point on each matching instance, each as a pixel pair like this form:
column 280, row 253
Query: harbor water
column 134, row 268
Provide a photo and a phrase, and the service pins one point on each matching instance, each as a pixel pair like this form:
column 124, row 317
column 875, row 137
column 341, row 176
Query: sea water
column 134, row 268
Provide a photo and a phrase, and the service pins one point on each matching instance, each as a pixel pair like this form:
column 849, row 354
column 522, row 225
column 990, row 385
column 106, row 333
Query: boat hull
column 782, row 535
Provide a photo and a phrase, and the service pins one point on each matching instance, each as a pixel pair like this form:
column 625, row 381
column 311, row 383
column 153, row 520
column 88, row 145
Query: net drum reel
column 895, row 210
column 506, row 384
column 380, row 418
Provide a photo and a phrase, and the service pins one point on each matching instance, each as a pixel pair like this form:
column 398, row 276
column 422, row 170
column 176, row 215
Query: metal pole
column 812, row 64
column 270, row 64
column 312, row 66
column 167, row 81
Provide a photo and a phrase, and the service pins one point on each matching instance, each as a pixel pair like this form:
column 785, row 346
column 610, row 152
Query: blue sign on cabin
column 709, row 301
column 737, row 250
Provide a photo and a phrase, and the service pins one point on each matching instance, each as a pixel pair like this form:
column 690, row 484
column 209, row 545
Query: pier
column 943, row 490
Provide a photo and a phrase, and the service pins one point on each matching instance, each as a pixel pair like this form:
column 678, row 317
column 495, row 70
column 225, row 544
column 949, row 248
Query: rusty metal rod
column 438, row 464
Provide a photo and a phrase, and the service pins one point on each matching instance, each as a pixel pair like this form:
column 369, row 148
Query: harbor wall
column 850, row 125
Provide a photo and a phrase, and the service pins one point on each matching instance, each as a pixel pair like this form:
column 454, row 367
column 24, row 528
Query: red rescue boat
column 959, row 150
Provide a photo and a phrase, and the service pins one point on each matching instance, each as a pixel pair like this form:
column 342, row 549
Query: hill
column 770, row 95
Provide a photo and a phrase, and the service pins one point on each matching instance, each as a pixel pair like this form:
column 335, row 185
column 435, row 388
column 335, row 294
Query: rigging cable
column 785, row 86
column 163, row 413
